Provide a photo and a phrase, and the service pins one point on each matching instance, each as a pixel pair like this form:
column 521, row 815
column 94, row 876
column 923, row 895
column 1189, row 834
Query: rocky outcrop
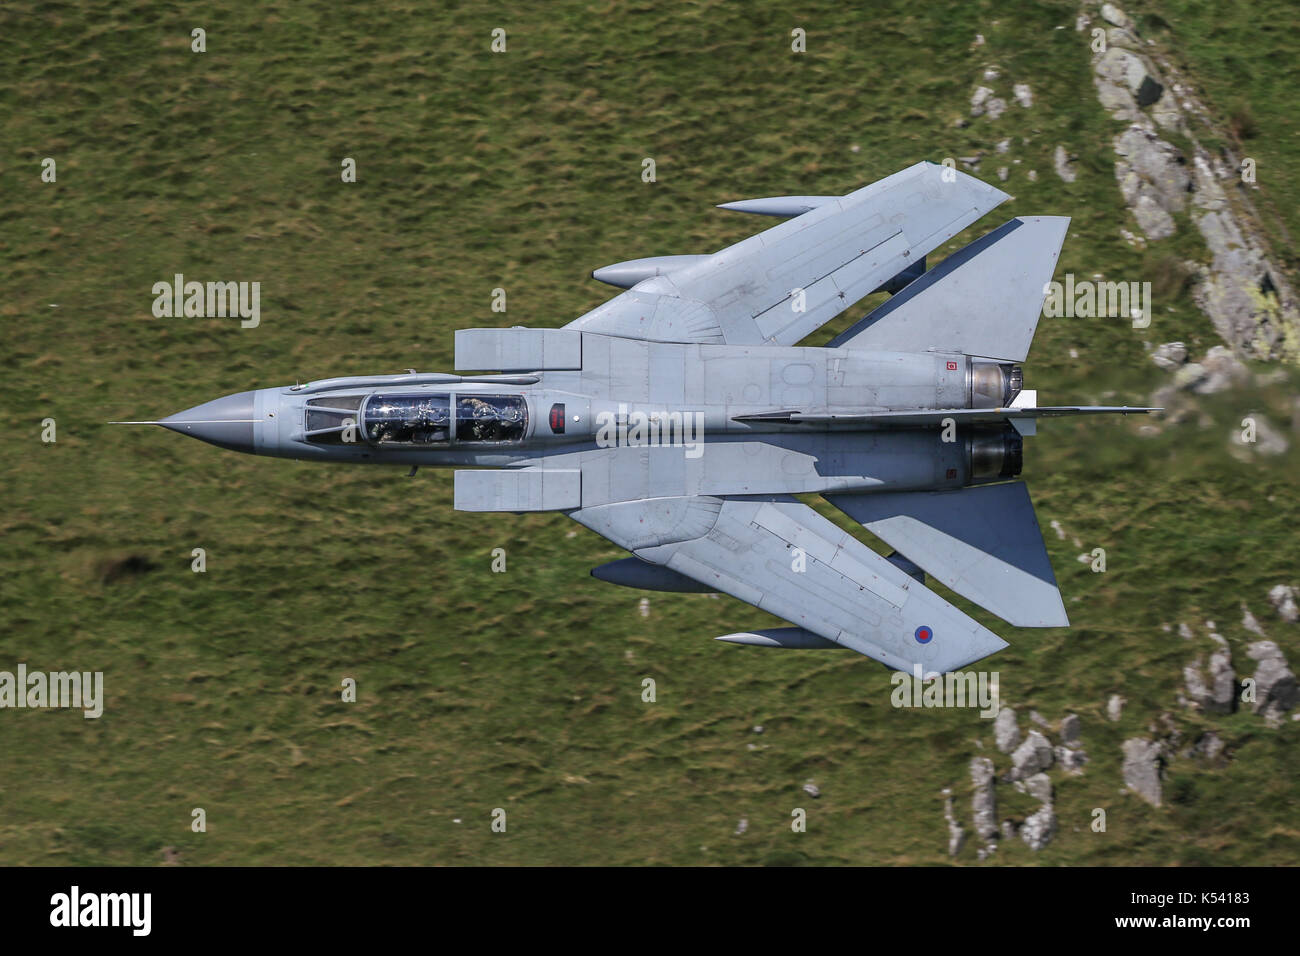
column 1240, row 288
column 1152, row 178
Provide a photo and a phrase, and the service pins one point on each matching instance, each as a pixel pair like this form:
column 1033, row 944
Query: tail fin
column 984, row 299
column 982, row 541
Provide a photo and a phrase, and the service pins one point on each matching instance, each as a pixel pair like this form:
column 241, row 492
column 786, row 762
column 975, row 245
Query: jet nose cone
column 226, row 422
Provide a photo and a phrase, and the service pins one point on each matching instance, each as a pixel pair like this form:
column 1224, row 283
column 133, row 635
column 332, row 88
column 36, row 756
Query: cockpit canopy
column 418, row 418
column 490, row 418
column 407, row 419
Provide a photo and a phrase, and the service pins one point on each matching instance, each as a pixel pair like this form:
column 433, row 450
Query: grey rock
column 1249, row 622
column 1070, row 730
column 1142, row 768
column 983, row 800
column 1009, row 829
column 1223, row 683
column 1148, row 167
column 1037, row 718
column 1071, row 759
column 1039, row 787
column 1223, row 371
column 1032, row 756
column 1121, row 66
column 1218, row 694
column 1023, row 94
column 1276, row 691
column 1170, row 355
column 1282, row 597
column 812, row 790
column 1039, row 828
column 1114, row 708
column 1006, row 732
column 1208, row 747
column 1151, row 218
column 1190, row 375
column 1064, row 164
column 1114, row 15
column 956, row 833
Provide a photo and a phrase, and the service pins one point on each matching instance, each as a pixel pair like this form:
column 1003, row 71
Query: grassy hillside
column 522, row 690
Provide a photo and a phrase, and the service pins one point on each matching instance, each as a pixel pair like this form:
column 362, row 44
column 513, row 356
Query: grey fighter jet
column 680, row 419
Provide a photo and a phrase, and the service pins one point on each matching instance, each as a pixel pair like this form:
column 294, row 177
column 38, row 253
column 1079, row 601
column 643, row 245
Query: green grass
column 523, row 690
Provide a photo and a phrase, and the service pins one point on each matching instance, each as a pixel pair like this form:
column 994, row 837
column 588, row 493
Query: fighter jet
column 681, row 418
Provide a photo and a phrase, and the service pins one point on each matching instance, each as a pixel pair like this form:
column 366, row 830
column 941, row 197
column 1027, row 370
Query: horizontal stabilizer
column 982, row 541
column 985, row 299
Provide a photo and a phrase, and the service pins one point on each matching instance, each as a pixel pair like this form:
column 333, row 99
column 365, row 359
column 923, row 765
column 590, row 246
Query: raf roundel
column 923, row 634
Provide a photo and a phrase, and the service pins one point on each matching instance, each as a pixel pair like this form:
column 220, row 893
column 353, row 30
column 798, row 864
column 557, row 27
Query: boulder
column 1114, row 15
column 1032, row 756
column 1006, row 732
column 1039, row 786
column 1142, row 768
